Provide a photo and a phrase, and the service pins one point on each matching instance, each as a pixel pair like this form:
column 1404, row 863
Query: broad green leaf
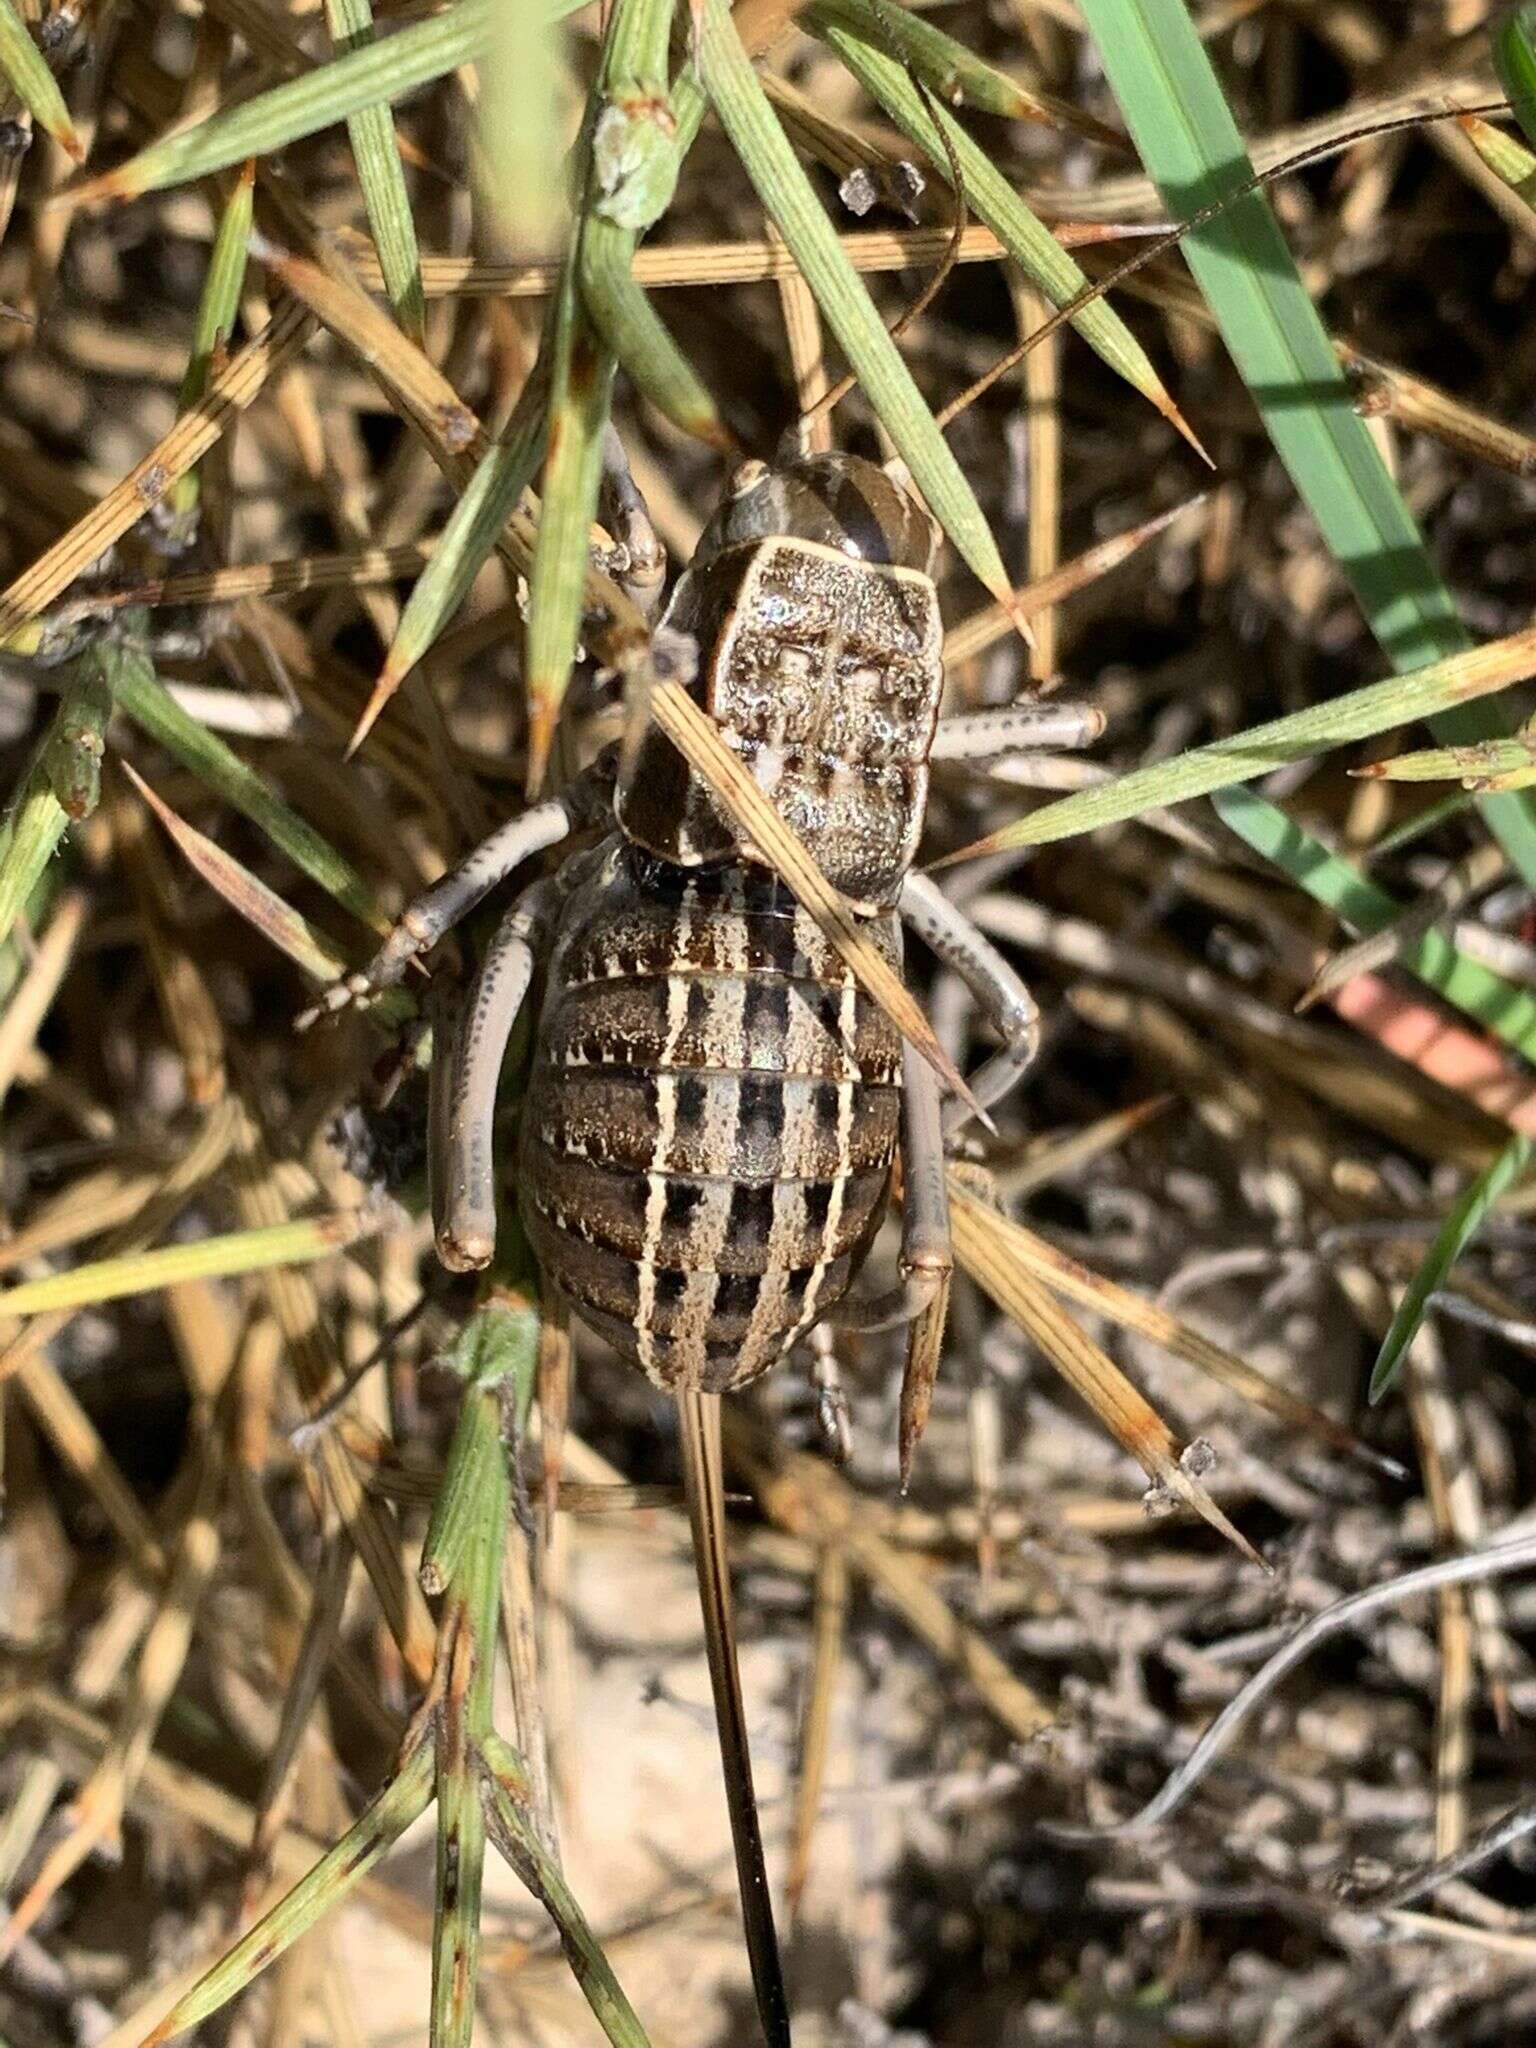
column 1451, row 1240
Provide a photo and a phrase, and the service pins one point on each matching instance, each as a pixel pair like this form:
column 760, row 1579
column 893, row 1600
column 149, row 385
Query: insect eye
column 748, row 477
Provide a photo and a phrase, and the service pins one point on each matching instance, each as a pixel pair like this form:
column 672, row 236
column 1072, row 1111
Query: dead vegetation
column 213, row 1630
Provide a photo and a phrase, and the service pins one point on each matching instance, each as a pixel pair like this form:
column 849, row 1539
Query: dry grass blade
column 984, row 628
column 984, row 1245
column 249, row 897
column 231, row 390
column 697, row 739
column 1066, row 1276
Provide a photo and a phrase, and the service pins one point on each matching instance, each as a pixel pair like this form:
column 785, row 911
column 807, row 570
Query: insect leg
column 422, row 923
column 623, row 512
column 1000, row 991
column 926, row 1258
column 1010, row 728
column 464, row 1214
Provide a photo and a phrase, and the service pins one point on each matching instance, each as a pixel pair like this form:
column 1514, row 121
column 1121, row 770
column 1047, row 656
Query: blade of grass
column 381, row 1825
column 209, row 1258
column 60, row 784
column 984, row 1245
column 988, row 194
column 231, row 390
column 467, row 542
column 1477, row 766
column 249, row 897
column 1452, row 1239
column 786, row 192
column 508, row 1809
column 218, row 308
column 1503, row 154
column 957, row 75
column 140, row 693
column 522, row 74
column 372, row 76
column 1506, row 1010
column 26, row 69
column 1162, row 77
column 1353, row 715
column 1514, row 59
column 371, row 131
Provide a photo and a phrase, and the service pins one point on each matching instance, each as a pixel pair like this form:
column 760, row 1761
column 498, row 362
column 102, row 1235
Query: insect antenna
column 1336, row 145
column 698, row 1417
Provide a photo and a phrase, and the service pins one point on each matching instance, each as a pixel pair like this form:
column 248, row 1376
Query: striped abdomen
column 711, row 1119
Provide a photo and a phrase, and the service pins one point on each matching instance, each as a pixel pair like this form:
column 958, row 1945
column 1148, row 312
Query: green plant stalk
column 754, row 132
column 521, row 77
column 61, row 782
column 145, row 699
column 1501, row 1007
column 993, row 200
column 505, row 1784
column 402, row 1802
column 474, row 528
column 1173, row 104
column 217, row 309
column 623, row 314
column 371, row 131
column 469, row 1628
column 1451, row 1240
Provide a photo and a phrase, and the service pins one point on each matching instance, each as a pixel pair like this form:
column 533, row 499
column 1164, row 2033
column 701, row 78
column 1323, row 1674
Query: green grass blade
column 26, row 70
column 786, row 192
column 1514, row 58
column 1162, row 77
column 1506, row 156
column 468, row 540
column 372, row 76
column 1478, row 764
column 1500, row 1006
column 140, row 693
column 218, row 308
column 379, row 1827
column 993, row 200
column 210, row 1258
column 518, row 1838
column 381, row 174
column 477, row 1478
column 1451, row 1240
column 1354, row 715
column 956, row 74
column 522, row 77
column 60, row 783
